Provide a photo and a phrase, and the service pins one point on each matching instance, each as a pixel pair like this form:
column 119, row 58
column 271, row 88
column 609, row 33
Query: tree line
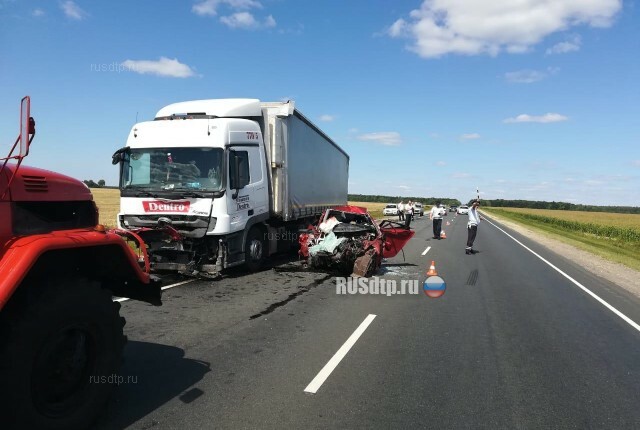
column 92, row 184
column 427, row 201
column 563, row 206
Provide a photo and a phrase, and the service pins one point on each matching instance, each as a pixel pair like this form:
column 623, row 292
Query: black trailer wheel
column 255, row 250
column 61, row 355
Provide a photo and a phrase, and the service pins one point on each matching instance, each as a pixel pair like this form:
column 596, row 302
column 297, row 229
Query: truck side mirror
column 117, row 156
column 27, row 126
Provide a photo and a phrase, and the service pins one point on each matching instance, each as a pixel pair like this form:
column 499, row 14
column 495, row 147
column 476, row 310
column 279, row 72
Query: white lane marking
column 578, row 284
column 322, row 376
column 426, row 250
column 177, row 284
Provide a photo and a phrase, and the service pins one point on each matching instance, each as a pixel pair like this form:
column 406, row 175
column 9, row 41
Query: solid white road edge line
column 322, row 376
column 578, row 284
column 426, row 250
column 177, row 284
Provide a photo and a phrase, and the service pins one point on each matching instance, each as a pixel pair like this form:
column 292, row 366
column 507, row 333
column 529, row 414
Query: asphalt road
column 512, row 343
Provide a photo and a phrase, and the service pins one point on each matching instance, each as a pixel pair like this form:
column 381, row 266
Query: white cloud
column 529, row 76
column 570, row 45
column 163, row 67
column 441, row 163
column 246, row 21
column 387, row 138
column 210, row 7
column 353, row 130
column 460, row 175
column 327, row 118
column 404, row 187
column 636, row 163
column 239, row 16
column 462, row 27
column 470, row 136
column 37, row 12
column 73, row 11
column 547, row 117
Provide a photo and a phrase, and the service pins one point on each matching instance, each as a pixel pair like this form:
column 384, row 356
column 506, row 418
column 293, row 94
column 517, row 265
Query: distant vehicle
column 453, row 208
column 418, row 209
column 390, row 209
column 463, row 210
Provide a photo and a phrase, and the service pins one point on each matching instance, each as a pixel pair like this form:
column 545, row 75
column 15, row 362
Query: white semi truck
column 212, row 184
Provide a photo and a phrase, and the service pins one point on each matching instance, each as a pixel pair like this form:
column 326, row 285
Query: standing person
column 436, row 216
column 408, row 214
column 472, row 226
column 400, row 211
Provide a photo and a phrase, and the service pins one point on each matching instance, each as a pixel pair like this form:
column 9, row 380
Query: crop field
column 374, row 208
column 108, row 201
column 599, row 218
column 613, row 236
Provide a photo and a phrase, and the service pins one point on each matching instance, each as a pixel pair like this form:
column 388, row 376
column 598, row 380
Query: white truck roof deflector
column 223, row 108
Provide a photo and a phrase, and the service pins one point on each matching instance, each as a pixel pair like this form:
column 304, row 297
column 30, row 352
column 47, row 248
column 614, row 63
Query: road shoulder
column 623, row 276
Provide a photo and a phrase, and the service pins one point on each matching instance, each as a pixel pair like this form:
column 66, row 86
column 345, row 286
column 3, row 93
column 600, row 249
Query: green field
column 612, row 236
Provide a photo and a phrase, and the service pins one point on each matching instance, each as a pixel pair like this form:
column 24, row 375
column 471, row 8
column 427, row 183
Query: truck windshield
column 155, row 169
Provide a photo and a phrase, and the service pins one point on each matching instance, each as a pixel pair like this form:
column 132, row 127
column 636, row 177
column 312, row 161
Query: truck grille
column 35, row 184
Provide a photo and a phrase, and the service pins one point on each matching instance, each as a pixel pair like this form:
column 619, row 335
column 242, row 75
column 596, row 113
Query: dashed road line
column 177, row 284
column 322, row 376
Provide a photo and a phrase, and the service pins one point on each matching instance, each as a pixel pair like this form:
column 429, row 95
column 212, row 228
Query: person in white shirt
column 408, row 214
column 472, row 226
column 435, row 215
column 400, row 211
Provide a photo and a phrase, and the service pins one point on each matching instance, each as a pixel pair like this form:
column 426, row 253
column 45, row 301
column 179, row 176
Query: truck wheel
column 254, row 250
column 61, row 355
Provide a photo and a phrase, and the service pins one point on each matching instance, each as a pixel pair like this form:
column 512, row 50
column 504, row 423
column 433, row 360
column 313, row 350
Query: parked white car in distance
column 418, row 209
column 463, row 210
column 390, row 209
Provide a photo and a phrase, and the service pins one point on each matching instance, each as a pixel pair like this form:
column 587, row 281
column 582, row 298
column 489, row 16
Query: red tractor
column 61, row 335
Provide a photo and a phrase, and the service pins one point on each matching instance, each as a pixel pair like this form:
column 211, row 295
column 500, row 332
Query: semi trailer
column 213, row 184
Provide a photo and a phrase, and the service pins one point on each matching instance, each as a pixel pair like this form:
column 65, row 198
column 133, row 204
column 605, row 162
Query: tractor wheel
column 61, row 354
column 255, row 250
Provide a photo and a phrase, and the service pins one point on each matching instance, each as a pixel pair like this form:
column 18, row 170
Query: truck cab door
column 249, row 198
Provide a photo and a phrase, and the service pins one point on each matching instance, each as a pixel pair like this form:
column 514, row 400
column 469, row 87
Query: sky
column 527, row 99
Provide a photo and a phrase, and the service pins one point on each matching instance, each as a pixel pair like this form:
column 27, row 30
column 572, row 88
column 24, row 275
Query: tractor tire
column 61, row 354
column 255, row 249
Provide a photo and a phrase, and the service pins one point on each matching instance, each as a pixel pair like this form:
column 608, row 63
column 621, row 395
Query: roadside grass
column 610, row 241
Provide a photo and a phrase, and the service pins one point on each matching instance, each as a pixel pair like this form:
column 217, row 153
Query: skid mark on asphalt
column 473, row 277
column 302, row 290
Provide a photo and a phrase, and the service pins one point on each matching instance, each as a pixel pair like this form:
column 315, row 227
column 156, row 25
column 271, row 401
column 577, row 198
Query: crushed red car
column 346, row 239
